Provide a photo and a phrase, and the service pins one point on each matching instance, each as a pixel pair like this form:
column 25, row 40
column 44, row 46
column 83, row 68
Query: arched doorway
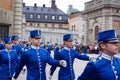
column 96, row 32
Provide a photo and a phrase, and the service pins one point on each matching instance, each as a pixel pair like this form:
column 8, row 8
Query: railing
column 6, row 17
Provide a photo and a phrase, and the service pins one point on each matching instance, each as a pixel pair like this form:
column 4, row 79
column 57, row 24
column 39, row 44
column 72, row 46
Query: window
column 31, row 24
column 38, row 24
column 46, row 16
column 31, row 15
column 60, row 26
column 4, row 31
column 73, row 27
column 53, row 25
column 38, row 16
column 53, row 17
column 60, row 17
column 46, row 25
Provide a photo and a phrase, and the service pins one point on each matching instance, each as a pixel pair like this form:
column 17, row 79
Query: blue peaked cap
column 14, row 37
column 8, row 39
column 35, row 33
column 68, row 37
column 107, row 36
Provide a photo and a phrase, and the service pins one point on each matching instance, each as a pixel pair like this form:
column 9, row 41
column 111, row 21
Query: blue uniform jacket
column 8, row 63
column 49, row 48
column 18, row 49
column 102, row 68
column 2, row 46
column 67, row 73
column 35, row 61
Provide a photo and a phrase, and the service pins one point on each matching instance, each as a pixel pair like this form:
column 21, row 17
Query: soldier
column 106, row 66
column 36, row 58
column 48, row 47
column 69, row 54
column 8, row 60
column 16, row 46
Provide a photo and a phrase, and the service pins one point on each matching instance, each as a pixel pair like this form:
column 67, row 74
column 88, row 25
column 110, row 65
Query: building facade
column 100, row 15
column 52, row 21
column 10, row 18
column 76, row 23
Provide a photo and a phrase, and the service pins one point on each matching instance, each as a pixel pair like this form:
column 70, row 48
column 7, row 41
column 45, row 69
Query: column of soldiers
column 33, row 54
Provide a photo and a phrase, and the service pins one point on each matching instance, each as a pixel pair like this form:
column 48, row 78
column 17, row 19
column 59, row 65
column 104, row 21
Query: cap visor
column 114, row 41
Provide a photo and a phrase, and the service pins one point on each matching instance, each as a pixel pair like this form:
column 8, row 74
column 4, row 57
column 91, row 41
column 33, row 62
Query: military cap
column 35, row 34
column 14, row 37
column 8, row 39
column 107, row 36
column 68, row 37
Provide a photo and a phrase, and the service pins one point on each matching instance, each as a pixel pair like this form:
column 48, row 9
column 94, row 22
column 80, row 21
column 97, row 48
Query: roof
column 45, row 11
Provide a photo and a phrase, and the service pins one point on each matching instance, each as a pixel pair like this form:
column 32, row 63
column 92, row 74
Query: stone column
column 86, row 32
column 103, row 23
column 17, row 19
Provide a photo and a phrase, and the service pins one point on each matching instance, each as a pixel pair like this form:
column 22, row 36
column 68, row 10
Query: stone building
column 76, row 23
column 10, row 17
column 52, row 21
column 100, row 15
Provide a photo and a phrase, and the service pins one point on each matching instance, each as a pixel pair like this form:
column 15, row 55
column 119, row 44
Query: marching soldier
column 8, row 60
column 16, row 46
column 68, row 54
column 106, row 66
column 36, row 58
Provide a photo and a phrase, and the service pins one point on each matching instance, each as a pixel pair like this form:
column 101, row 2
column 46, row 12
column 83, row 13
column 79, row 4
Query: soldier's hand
column 91, row 58
column 63, row 63
column 13, row 78
column 49, row 77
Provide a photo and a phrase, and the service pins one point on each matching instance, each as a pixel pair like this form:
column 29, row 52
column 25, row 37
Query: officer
column 68, row 54
column 8, row 60
column 36, row 58
column 16, row 46
column 106, row 66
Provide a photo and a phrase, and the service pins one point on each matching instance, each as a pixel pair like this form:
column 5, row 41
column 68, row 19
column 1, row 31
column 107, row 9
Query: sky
column 61, row 4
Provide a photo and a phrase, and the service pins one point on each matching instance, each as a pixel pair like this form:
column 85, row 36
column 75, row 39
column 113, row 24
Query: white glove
column 49, row 77
column 23, row 70
column 91, row 58
column 13, row 78
column 63, row 63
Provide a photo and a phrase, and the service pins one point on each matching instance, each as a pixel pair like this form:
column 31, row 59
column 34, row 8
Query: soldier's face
column 68, row 43
column 8, row 45
column 15, row 41
column 111, row 48
column 35, row 41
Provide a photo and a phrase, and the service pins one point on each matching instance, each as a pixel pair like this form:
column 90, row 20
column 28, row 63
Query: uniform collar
column 7, row 50
column 34, row 47
column 106, row 56
column 66, row 48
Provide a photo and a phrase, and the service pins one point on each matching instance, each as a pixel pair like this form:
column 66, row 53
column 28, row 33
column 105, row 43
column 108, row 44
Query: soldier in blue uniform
column 8, row 60
column 69, row 54
column 16, row 46
column 36, row 58
column 48, row 47
column 106, row 66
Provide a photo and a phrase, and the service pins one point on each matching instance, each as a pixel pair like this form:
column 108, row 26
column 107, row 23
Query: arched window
column 96, row 32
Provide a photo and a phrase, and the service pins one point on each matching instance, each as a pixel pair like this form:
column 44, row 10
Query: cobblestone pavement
column 79, row 65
